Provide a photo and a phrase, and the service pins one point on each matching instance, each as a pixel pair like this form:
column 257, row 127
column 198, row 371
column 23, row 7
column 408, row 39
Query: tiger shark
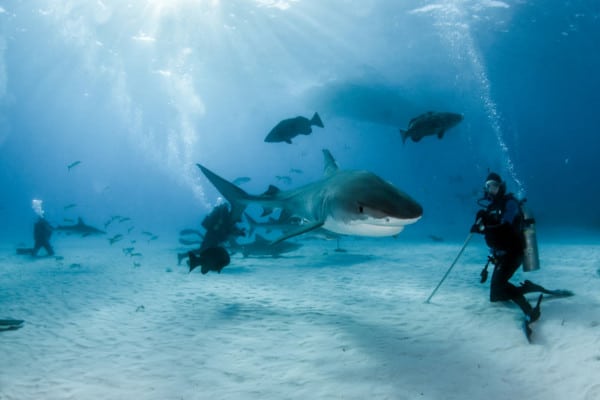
column 344, row 201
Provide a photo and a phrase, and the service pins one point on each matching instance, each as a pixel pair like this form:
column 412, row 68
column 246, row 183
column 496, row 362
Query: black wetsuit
column 220, row 227
column 42, row 231
column 503, row 220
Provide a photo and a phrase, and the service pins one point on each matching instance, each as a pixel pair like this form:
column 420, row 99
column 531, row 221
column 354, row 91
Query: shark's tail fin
column 404, row 135
column 236, row 196
column 316, row 120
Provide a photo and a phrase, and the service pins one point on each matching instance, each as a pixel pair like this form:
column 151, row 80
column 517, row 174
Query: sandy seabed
column 316, row 324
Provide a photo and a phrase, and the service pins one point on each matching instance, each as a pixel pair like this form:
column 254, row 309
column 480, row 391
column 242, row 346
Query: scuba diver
column 42, row 231
column 510, row 235
column 221, row 229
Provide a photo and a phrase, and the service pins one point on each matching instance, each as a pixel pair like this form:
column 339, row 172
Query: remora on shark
column 344, row 201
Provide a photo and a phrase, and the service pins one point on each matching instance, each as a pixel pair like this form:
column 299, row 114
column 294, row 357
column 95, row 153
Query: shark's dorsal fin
column 272, row 191
column 260, row 239
column 80, row 221
column 302, row 229
column 331, row 166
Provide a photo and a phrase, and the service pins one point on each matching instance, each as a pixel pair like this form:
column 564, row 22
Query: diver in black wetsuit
column 221, row 228
column 501, row 224
column 42, row 231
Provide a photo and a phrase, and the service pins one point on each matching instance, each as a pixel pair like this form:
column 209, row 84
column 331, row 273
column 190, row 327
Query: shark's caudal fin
column 235, row 195
column 316, row 120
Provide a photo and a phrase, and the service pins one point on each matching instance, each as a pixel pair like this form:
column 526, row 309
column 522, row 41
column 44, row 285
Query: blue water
column 140, row 91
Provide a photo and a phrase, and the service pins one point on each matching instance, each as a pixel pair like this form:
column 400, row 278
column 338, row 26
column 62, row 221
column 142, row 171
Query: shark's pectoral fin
column 441, row 134
column 266, row 211
column 288, row 141
column 302, row 229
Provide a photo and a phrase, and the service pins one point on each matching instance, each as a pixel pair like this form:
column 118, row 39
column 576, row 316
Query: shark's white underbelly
column 368, row 227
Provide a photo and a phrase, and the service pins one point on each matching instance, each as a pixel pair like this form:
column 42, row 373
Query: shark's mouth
column 375, row 227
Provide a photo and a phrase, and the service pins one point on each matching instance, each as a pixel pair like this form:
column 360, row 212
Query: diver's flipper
column 25, row 251
column 560, row 293
column 302, row 229
column 527, row 329
column 534, row 316
column 530, row 287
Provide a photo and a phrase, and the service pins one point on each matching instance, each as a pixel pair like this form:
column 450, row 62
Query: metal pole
column 451, row 266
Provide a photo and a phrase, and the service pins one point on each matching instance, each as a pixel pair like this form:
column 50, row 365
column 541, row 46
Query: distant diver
column 510, row 234
column 430, row 123
column 220, row 229
column 42, row 231
column 287, row 129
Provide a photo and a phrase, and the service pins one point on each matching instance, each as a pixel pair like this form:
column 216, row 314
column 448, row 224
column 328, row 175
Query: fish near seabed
column 210, row 259
column 287, row 129
column 430, row 123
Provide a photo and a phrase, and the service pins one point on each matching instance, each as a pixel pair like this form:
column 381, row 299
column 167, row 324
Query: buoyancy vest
column 501, row 234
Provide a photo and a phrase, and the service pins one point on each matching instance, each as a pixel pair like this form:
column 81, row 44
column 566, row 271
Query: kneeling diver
column 504, row 227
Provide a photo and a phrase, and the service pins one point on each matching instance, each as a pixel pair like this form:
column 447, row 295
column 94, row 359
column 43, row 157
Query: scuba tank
column 531, row 260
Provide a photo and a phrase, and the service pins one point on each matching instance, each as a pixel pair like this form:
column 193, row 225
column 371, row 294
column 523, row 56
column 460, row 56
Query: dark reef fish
column 115, row 239
column 73, row 165
column 287, row 129
column 210, row 259
column 430, row 123
column 10, row 324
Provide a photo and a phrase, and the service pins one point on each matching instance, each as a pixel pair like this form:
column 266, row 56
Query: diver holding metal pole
column 509, row 232
column 464, row 246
